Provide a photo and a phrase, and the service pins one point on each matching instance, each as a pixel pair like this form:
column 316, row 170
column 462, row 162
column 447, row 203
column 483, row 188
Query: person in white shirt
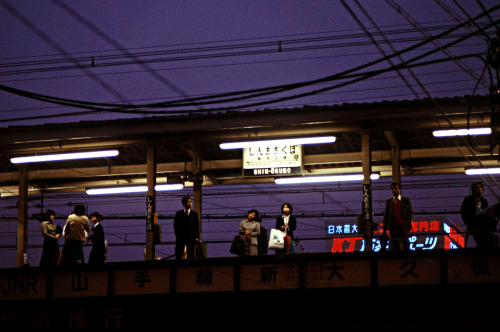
column 75, row 234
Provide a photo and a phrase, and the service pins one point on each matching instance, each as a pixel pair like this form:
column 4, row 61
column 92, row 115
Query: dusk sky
column 144, row 52
column 157, row 51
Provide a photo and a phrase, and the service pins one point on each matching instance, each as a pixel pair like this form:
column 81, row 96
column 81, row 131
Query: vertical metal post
column 150, row 200
column 22, row 219
column 197, row 180
column 197, row 194
column 396, row 166
column 367, row 188
column 395, row 156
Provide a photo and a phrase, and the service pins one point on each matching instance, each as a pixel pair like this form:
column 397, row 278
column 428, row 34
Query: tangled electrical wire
column 224, row 101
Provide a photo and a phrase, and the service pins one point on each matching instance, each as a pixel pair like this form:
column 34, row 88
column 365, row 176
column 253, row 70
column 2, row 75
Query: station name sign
column 275, row 159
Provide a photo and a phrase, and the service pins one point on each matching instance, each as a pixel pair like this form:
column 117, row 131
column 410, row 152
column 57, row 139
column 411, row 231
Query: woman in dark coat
column 287, row 223
column 51, row 233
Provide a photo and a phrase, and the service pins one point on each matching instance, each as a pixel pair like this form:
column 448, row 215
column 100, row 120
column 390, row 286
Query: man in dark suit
column 479, row 223
column 98, row 252
column 186, row 229
column 398, row 215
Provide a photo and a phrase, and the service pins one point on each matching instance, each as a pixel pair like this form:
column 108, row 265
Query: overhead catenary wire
column 117, row 45
column 85, row 63
column 466, row 140
column 127, row 53
column 445, row 50
column 343, row 93
column 46, row 38
column 248, row 93
column 190, row 100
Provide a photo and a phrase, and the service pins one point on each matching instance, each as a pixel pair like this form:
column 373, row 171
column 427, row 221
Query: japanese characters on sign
column 342, row 228
column 143, row 281
column 409, row 271
column 338, row 274
column 269, row 276
column 480, row 268
column 80, row 284
column 272, row 160
column 150, row 208
column 205, row 279
column 424, row 235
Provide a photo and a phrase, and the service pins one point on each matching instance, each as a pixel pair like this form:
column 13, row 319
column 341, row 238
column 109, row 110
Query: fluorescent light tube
column 481, row 171
column 118, row 190
column 133, row 189
column 322, row 179
column 64, row 156
column 461, row 132
column 286, row 141
column 168, row 187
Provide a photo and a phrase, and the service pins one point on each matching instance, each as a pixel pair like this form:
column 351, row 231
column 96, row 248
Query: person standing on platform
column 250, row 231
column 98, row 252
column 51, row 233
column 75, row 230
column 287, row 223
column 186, row 229
column 479, row 223
column 398, row 215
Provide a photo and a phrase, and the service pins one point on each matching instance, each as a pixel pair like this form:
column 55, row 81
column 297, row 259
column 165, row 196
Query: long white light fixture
column 288, row 141
column 322, row 179
column 461, row 132
column 133, row 189
column 482, row 171
column 64, row 156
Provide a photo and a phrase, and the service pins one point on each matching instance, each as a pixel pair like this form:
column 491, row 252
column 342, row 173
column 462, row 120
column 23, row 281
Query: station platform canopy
column 188, row 146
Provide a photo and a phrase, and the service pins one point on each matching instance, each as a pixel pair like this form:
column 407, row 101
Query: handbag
column 276, row 239
column 201, row 249
column 238, row 246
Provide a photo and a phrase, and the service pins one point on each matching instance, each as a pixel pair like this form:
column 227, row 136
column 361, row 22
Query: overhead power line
column 45, row 66
column 353, row 74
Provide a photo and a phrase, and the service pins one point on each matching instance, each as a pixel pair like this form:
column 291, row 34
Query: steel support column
column 197, row 187
column 367, row 188
column 395, row 156
column 150, row 200
column 22, row 219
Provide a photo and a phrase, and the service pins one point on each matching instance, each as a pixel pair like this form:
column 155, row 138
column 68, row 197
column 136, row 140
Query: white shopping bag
column 277, row 239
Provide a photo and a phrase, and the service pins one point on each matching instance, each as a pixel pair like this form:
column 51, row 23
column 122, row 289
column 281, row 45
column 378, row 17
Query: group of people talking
column 75, row 232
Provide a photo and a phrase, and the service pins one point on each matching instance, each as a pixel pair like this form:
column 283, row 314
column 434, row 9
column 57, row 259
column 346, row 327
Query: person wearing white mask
column 287, row 223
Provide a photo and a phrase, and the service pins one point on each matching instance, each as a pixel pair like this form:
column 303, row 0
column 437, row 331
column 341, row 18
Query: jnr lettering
column 19, row 285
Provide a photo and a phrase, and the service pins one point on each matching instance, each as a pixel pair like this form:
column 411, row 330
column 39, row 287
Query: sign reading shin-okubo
column 272, row 159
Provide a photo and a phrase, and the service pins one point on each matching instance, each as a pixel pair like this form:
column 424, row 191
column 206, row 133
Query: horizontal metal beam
column 76, row 179
column 385, row 116
column 207, row 165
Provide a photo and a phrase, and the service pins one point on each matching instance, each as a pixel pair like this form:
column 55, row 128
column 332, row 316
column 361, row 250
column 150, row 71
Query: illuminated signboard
column 424, row 235
column 272, row 160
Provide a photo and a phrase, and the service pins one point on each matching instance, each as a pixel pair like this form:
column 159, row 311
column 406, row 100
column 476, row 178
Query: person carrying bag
column 276, row 239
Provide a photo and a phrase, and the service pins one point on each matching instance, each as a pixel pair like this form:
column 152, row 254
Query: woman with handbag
column 250, row 230
column 287, row 223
